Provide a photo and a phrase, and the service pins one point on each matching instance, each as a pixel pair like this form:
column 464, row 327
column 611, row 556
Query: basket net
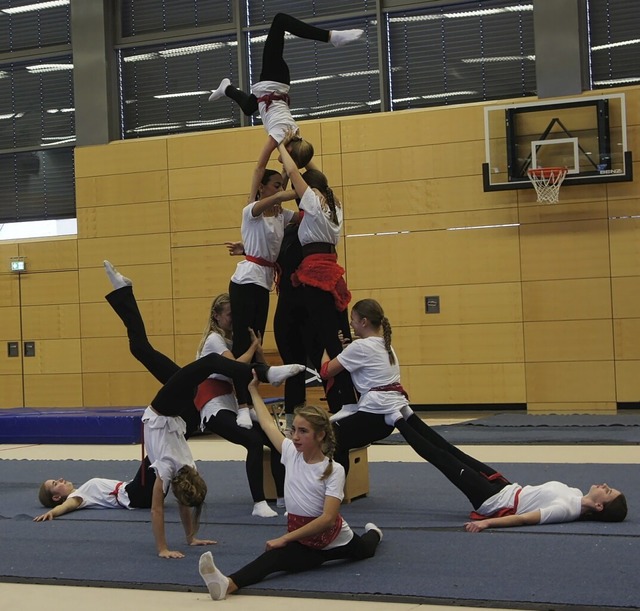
column 547, row 182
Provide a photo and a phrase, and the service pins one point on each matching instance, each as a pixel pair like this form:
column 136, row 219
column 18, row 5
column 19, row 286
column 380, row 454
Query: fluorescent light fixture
column 493, row 60
column 613, row 45
column 358, row 73
column 4, row 74
column 314, row 79
column 40, row 68
column 62, row 140
column 184, row 94
column 435, row 96
column 192, row 49
column 39, row 6
column 524, row 8
column 208, row 123
column 11, row 115
column 154, row 127
column 141, row 57
column 618, row 81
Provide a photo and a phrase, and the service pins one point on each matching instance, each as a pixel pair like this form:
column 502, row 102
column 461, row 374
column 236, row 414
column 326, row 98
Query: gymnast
column 497, row 502
column 314, row 485
column 61, row 496
column 271, row 94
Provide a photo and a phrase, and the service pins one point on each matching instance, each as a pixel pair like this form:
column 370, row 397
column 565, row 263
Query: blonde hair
column 190, row 490
column 301, row 152
column 373, row 312
column 318, row 419
column 217, row 305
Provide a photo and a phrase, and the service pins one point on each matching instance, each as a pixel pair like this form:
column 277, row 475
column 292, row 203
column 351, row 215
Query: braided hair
column 373, row 312
column 317, row 180
column 318, row 419
column 212, row 326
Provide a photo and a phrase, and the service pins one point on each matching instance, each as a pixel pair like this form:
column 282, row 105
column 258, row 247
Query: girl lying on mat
column 313, row 492
column 98, row 493
column 497, row 502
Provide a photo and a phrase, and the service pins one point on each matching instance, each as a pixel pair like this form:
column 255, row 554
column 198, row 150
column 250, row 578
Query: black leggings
column 253, row 439
column 296, row 558
column 356, row 431
column 474, row 479
column 249, row 309
column 274, row 67
column 140, row 488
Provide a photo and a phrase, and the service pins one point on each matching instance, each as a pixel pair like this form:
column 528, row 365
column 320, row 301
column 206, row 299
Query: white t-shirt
column 166, row 446
column 262, row 237
column 556, row 501
column 305, row 492
column 97, row 494
column 316, row 225
column 367, row 360
column 277, row 120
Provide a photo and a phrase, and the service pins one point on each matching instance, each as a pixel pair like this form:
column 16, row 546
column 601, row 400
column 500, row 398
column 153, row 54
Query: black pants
column 474, row 479
column 327, row 321
column 274, row 67
column 296, row 558
column 253, row 439
column 356, row 431
column 175, row 398
column 140, row 488
column 249, row 309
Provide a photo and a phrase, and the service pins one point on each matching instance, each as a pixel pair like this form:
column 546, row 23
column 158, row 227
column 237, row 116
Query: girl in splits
column 324, row 291
column 220, row 413
column 263, row 224
column 314, row 485
column 271, row 94
column 497, row 502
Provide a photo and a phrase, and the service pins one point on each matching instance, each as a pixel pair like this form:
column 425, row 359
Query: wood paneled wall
column 538, row 302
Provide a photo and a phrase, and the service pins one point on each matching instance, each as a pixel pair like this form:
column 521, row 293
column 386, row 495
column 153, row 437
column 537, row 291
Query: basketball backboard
column 587, row 135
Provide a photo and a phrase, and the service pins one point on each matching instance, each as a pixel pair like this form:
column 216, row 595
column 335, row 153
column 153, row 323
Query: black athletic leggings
column 474, row 479
column 140, row 488
column 253, row 439
column 295, row 558
column 274, row 67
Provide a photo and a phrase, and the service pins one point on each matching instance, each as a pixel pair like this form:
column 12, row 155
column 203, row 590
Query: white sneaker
column 219, row 92
column 279, row 373
column 371, row 526
column 117, row 279
column 339, row 38
column 244, row 418
column 217, row 583
column 262, row 510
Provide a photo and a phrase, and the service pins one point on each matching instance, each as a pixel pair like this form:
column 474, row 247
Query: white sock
column 219, row 92
column 371, row 526
column 280, row 502
column 244, row 418
column 339, row 38
column 217, row 583
column 262, row 510
column 117, row 279
column 279, row 373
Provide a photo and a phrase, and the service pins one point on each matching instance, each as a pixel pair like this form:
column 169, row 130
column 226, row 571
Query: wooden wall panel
column 627, row 339
column 10, row 390
column 567, row 407
column 54, row 356
column 208, row 213
column 131, row 219
column 625, row 292
column 192, row 315
column 625, row 245
column 121, row 157
column 10, row 322
column 588, row 298
column 111, row 354
column 51, row 322
column 119, row 189
column 49, row 288
column 150, row 281
column 201, row 272
column 127, row 250
column 628, row 381
column 9, row 290
column 99, row 320
column 577, row 203
column 565, row 250
column 186, row 347
column 58, row 254
column 330, row 138
column 568, row 340
column 58, row 390
column 134, row 389
column 210, row 181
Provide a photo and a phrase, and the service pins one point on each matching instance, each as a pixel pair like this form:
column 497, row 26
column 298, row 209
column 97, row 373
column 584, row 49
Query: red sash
column 114, row 493
column 395, row 387
column 210, row 389
column 322, row 271
column 277, row 270
column 267, row 98
column 319, row 541
column 507, row 511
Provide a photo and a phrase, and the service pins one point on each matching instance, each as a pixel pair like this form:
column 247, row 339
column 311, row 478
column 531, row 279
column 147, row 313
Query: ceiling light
column 27, row 8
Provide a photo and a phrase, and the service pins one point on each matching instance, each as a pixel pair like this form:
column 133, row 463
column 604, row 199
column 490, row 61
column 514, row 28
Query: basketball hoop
column 547, row 182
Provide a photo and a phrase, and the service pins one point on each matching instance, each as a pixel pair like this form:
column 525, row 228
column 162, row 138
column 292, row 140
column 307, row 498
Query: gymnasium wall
column 541, row 309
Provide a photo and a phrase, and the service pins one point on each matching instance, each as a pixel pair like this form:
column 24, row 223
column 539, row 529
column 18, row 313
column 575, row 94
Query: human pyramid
column 219, row 391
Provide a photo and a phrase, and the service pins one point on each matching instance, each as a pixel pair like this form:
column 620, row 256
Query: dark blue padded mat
column 551, row 429
column 425, row 556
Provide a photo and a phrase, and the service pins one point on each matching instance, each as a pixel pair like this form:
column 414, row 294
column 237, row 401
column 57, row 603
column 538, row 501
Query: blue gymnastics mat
column 87, row 426
column 425, row 557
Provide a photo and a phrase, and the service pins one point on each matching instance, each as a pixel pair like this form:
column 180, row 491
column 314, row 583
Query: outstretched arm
column 292, row 170
column 525, row 519
column 157, row 522
column 261, row 164
column 269, row 202
column 186, row 517
column 71, row 504
column 264, row 417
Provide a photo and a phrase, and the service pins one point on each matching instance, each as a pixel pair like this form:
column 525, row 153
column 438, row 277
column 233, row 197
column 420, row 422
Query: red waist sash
column 396, row 387
column 319, row 541
column 268, row 98
column 322, row 271
column 210, row 389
